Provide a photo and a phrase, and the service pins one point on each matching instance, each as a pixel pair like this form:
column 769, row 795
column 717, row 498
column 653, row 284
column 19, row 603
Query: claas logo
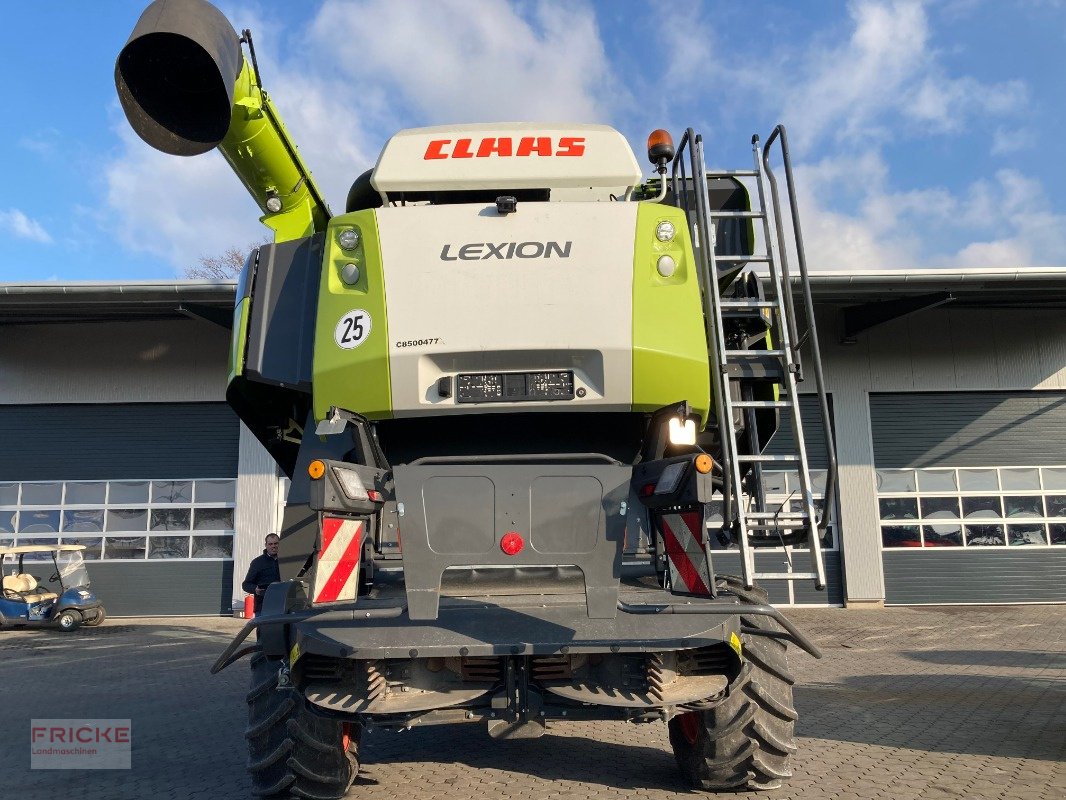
column 505, row 147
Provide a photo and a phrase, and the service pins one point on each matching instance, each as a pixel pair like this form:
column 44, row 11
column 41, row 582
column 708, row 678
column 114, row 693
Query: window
column 123, row 519
column 972, row 507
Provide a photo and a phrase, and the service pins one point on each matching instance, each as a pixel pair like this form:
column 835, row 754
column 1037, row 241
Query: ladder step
column 769, row 368
column 761, row 404
column 763, row 459
column 749, row 304
column 742, row 259
column 734, row 173
column 786, row 576
column 780, row 516
column 745, row 353
column 765, row 527
column 736, row 215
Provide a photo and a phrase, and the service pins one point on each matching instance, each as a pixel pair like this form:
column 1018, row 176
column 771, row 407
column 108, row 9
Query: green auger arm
column 186, row 88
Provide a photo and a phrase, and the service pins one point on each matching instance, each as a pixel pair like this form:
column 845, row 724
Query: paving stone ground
column 908, row 703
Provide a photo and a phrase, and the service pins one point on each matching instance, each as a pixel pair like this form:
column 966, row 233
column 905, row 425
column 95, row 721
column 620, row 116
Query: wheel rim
column 66, row 622
column 689, row 724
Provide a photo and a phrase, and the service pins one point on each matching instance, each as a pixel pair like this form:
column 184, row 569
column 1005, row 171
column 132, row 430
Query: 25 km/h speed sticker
column 352, row 329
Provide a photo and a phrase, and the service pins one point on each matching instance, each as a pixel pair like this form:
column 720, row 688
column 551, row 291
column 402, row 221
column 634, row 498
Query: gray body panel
column 281, row 325
column 457, row 514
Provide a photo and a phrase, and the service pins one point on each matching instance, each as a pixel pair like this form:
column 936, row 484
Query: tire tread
column 745, row 741
column 293, row 752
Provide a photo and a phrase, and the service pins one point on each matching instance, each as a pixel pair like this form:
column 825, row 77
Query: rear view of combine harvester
column 524, row 400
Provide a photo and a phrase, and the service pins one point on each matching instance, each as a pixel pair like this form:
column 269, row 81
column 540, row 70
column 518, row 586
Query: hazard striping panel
column 683, row 537
column 337, row 572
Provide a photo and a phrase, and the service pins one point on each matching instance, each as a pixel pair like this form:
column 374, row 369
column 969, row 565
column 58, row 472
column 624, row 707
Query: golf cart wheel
column 101, row 615
column 745, row 741
column 68, row 620
column 293, row 752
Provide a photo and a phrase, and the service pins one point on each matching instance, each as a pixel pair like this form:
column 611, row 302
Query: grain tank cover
column 513, row 155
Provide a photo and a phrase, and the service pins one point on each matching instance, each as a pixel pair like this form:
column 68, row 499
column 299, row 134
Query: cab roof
column 511, row 155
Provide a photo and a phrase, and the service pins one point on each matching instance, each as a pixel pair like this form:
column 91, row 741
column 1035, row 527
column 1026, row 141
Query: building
column 947, row 391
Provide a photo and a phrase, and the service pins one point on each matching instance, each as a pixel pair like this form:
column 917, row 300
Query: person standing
column 263, row 571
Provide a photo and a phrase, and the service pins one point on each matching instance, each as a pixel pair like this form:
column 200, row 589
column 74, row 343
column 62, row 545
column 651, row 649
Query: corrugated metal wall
column 922, row 577
column 813, row 432
column 945, row 350
column 164, row 361
column 150, row 440
column 962, row 429
column 161, row 588
column 257, row 507
column 101, row 441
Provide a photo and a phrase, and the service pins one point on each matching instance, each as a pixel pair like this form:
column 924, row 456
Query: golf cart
column 26, row 601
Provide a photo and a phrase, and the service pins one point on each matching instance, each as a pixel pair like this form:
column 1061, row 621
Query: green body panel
column 261, row 153
column 239, row 337
column 356, row 379
column 670, row 360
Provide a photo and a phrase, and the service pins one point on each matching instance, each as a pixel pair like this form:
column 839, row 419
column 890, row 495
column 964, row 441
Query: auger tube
column 186, row 88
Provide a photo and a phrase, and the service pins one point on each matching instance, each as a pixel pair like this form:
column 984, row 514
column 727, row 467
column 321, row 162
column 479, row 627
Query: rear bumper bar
column 479, row 629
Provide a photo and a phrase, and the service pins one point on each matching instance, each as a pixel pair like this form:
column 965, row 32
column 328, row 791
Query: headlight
column 348, row 238
column 664, row 231
column 666, row 266
column 84, row 595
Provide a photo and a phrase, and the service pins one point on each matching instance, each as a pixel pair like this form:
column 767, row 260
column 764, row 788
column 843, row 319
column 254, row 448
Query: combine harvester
column 524, row 398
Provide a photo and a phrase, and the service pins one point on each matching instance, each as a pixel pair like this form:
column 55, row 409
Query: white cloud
column 176, row 209
column 1007, row 140
column 19, row 225
column 464, row 60
column 884, row 80
column 998, row 222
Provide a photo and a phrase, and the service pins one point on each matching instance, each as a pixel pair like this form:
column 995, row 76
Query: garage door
column 149, row 489
column 971, row 496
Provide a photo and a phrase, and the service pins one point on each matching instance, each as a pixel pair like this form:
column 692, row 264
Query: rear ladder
column 745, row 515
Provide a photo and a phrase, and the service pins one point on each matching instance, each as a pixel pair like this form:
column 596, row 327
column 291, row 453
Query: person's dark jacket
column 262, row 571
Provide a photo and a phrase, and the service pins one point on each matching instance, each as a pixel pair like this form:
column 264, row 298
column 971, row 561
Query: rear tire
column 101, row 615
column 745, row 741
column 291, row 751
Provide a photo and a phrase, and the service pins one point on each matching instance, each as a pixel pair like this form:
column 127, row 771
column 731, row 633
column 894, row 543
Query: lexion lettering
column 482, row 251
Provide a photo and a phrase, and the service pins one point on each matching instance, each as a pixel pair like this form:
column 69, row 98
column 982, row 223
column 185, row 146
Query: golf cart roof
column 41, row 548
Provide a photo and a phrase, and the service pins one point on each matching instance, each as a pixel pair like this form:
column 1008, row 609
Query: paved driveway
column 908, row 703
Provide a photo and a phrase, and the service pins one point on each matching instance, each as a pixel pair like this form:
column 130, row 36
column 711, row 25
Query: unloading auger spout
column 186, row 88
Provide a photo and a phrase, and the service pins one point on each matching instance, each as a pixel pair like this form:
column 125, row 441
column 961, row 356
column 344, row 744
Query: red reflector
column 374, row 495
column 647, row 490
column 512, row 543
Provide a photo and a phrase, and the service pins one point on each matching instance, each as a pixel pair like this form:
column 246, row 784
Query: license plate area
column 514, row 387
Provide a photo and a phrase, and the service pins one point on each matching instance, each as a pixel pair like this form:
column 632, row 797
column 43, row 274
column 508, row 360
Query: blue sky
column 925, row 134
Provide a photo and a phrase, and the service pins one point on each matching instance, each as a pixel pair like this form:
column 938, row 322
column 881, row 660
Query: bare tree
column 223, row 267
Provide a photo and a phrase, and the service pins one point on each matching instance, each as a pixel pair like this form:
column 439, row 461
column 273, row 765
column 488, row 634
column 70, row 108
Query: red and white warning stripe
column 337, row 572
column 683, row 537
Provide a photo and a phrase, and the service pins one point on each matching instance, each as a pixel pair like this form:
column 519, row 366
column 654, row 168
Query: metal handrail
column 712, row 315
column 808, row 307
